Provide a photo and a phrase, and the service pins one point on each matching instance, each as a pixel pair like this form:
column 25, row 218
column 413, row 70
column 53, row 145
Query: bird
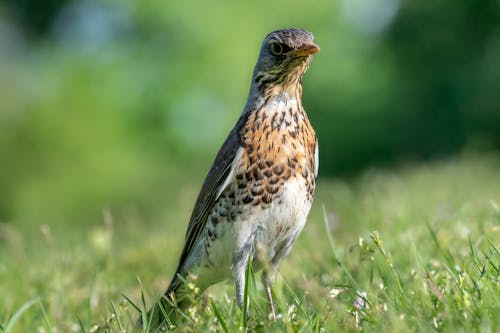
column 256, row 197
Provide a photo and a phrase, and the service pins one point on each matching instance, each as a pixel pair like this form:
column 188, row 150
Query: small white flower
column 435, row 322
column 292, row 311
column 334, row 292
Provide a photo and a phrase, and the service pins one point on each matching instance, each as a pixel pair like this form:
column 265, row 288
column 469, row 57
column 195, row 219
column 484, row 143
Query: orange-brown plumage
column 278, row 145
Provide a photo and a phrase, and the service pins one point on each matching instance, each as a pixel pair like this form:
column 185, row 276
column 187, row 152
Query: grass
column 416, row 249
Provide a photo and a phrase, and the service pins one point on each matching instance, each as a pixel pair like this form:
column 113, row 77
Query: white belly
column 271, row 231
column 279, row 225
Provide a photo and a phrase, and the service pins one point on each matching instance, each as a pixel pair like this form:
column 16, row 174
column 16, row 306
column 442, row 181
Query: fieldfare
column 257, row 195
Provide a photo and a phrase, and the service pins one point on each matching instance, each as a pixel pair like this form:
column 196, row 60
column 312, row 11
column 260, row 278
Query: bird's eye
column 276, row 48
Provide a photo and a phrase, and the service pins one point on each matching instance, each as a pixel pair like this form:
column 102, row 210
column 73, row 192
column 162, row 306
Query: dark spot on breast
column 274, row 180
column 266, row 198
column 282, row 117
column 262, row 165
column 278, row 169
column 246, row 199
column 268, row 173
column 287, row 174
column 273, row 121
column 283, row 139
column 257, row 174
column 269, row 163
column 257, row 190
column 272, row 189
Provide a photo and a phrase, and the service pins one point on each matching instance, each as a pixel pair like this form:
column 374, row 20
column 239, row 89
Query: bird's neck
column 279, row 109
column 279, row 95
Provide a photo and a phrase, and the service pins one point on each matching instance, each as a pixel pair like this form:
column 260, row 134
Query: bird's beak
column 306, row 50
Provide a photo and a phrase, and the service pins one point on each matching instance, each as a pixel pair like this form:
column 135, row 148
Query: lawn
column 389, row 250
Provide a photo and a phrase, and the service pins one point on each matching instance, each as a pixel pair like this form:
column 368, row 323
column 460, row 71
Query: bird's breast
column 279, row 145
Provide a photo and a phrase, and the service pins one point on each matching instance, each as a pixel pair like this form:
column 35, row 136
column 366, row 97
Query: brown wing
column 210, row 191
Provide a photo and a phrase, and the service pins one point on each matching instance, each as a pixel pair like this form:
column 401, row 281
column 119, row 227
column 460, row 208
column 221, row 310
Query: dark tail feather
column 164, row 314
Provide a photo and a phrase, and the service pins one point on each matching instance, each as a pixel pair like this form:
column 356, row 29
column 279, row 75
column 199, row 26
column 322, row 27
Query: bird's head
column 284, row 57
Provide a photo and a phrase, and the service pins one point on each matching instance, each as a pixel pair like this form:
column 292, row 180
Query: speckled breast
column 279, row 144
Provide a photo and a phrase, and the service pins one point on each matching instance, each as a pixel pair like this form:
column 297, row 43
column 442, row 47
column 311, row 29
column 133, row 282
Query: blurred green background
column 122, row 104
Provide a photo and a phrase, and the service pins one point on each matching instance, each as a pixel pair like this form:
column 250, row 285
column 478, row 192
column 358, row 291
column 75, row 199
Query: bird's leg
column 267, row 280
column 240, row 264
column 267, row 285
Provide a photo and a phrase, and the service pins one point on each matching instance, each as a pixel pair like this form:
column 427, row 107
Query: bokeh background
column 121, row 105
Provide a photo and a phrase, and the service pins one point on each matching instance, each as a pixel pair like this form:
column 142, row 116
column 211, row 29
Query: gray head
column 284, row 57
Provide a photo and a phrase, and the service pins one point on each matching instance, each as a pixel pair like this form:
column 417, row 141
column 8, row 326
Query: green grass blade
column 146, row 319
column 475, row 259
column 377, row 240
column 489, row 258
column 144, row 313
column 117, row 317
column 219, row 316
column 45, row 317
column 131, row 303
column 494, row 247
column 12, row 321
column 244, row 311
column 82, row 328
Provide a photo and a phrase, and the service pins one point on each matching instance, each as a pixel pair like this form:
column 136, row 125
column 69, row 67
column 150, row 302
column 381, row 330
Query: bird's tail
column 164, row 314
